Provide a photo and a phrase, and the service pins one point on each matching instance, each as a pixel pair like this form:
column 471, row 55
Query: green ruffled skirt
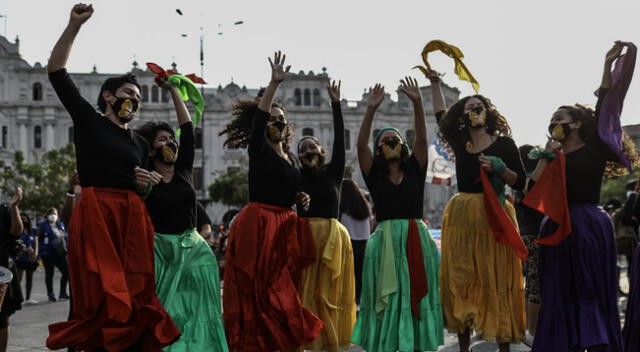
column 188, row 285
column 385, row 322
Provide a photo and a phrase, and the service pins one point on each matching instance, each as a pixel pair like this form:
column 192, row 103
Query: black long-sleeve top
column 172, row 205
column 105, row 153
column 324, row 185
column 272, row 179
column 468, row 165
column 402, row 201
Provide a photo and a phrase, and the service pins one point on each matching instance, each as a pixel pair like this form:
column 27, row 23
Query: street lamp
column 184, row 35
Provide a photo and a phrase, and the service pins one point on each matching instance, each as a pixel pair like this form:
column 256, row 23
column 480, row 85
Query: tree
column 615, row 187
column 231, row 186
column 43, row 182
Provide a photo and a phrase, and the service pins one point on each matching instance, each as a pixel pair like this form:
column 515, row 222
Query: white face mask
column 52, row 218
column 629, row 193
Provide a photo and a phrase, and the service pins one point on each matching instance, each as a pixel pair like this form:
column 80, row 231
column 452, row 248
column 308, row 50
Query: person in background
column 53, row 238
column 27, row 261
column 631, row 331
column 10, row 229
column 203, row 223
column 355, row 215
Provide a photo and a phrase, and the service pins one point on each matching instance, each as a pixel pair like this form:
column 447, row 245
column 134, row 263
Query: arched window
column 145, row 93
column 154, row 94
column 5, row 136
column 71, row 134
column 411, row 136
column 307, row 131
column 347, row 139
column 307, row 97
column 297, row 96
column 165, row 96
column 316, row 97
column 37, row 137
column 37, row 91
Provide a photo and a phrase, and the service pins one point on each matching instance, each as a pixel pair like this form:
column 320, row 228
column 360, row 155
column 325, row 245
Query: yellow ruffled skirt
column 481, row 281
column 327, row 287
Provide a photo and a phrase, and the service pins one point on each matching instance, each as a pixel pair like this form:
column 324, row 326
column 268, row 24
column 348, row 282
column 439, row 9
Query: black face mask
column 125, row 109
column 168, row 153
column 559, row 131
column 277, row 131
column 392, row 150
column 476, row 118
column 312, row 160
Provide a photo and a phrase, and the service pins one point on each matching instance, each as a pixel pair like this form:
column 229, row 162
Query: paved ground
column 29, row 325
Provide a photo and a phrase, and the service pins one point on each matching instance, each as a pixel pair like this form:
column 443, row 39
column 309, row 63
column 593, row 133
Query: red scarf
column 549, row 197
column 417, row 272
column 504, row 231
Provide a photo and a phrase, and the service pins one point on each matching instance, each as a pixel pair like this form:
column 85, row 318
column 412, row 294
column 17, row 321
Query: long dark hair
column 454, row 131
column 150, row 130
column 26, row 225
column 238, row 131
column 353, row 201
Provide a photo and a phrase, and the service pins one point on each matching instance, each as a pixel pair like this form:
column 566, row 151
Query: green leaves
column 231, row 187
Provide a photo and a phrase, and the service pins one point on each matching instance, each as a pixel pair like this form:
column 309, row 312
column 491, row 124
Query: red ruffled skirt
column 112, row 278
column 268, row 248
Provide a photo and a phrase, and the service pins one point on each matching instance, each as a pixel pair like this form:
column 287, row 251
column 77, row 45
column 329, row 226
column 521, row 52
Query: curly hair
column 455, row 132
column 238, row 131
column 589, row 130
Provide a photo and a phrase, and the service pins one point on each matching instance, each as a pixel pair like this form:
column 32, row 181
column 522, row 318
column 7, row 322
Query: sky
column 529, row 56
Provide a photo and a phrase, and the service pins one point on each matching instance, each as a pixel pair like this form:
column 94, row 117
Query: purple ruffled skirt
column 631, row 332
column 579, row 284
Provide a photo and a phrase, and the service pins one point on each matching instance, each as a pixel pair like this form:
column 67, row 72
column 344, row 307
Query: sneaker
column 30, row 302
column 528, row 339
column 52, row 297
column 63, row 296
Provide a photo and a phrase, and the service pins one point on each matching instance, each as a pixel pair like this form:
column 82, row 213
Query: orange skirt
column 268, row 248
column 112, row 277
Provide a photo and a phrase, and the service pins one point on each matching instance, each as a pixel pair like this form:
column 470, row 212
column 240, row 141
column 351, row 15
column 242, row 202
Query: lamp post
column 201, row 39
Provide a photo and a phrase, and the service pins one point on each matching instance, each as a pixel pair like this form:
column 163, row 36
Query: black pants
column 359, row 247
column 29, row 269
column 50, row 263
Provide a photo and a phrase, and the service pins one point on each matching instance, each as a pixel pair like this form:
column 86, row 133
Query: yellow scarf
column 453, row 52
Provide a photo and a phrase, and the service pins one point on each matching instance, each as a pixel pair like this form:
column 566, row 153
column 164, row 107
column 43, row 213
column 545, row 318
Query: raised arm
column 80, row 13
column 337, row 153
column 186, row 153
column 365, row 156
column 437, row 97
column 16, row 220
column 409, row 86
column 612, row 55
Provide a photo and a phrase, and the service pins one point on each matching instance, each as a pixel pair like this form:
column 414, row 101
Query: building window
column 37, row 91
column 37, row 137
column 154, row 94
column 71, row 135
column 197, row 178
column 198, row 135
column 5, row 135
column 297, row 97
column 347, row 139
column 411, row 136
column 145, row 93
column 316, row 97
column 307, row 97
column 165, row 96
column 307, row 131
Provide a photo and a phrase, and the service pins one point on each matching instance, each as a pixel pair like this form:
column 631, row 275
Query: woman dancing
column 268, row 247
column 481, row 280
column 400, row 303
column 327, row 286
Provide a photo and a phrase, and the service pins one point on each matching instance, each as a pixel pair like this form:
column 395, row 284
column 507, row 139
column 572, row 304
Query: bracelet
column 434, row 79
column 71, row 195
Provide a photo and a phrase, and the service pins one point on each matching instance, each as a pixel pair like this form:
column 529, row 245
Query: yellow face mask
column 392, row 150
column 477, row 118
column 559, row 131
column 277, row 131
column 312, row 160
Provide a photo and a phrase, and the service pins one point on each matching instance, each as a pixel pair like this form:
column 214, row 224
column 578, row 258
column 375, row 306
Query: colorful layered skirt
column 327, row 287
column 579, row 285
column 268, row 249
column 188, row 285
column 111, row 269
column 387, row 320
column 481, row 280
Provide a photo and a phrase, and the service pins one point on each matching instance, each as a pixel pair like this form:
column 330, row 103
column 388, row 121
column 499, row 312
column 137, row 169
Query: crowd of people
column 313, row 262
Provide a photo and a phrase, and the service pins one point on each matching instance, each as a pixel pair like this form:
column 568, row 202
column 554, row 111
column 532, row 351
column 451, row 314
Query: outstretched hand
column 376, row 96
column 80, row 13
column 410, row 87
column 614, row 53
column 15, row 200
column 278, row 70
column 334, row 91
